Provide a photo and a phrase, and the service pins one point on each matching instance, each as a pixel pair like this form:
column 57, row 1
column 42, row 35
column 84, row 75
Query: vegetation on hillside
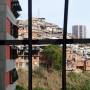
column 46, row 80
column 42, row 79
column 39, row 88
column 53, row 55
column 78, row 81
column 18, row 87
column 22, row 82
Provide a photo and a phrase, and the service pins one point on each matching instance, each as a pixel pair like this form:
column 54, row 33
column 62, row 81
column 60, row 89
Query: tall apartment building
column 79, row 31
column 8, row 31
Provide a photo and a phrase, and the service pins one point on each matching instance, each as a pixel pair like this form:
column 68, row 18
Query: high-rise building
column 8, row 53
column 79, row 31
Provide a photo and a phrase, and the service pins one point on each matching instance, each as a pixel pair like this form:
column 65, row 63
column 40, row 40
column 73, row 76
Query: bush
column 79, row 81
column 38, row 72
column 18, row 87
column 39, row 88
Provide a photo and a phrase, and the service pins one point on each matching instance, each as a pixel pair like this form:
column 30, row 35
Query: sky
column 53, row 11
column 24, row 12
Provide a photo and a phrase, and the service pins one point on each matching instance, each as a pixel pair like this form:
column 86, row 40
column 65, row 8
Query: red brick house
column 76, row 61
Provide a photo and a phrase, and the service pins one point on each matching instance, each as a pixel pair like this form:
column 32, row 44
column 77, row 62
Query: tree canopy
column 53, row 54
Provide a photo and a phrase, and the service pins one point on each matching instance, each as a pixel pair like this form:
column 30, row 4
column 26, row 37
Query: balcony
column 13, row 76
column 14, row 31
column 13, row 51
column 16, row 8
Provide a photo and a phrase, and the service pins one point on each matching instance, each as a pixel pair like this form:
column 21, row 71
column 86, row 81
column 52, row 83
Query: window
column 79, row 34
column 47, row 31
column 47, row 67
column 62, row 41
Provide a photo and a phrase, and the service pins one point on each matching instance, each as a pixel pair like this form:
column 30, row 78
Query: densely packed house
column 78, row 58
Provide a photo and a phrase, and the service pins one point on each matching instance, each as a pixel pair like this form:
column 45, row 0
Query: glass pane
column 47, row 21
column 78, row 67
column 16, row 11
column 46, row 65
column 78, row 21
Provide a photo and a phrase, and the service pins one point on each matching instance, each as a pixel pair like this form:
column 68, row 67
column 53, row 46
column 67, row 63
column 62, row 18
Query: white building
column 79, row 31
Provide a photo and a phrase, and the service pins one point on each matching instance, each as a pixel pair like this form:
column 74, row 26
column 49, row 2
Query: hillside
column 48, row 80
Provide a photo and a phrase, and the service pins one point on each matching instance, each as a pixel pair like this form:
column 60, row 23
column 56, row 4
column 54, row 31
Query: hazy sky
column 53, row 11
column 24, row 6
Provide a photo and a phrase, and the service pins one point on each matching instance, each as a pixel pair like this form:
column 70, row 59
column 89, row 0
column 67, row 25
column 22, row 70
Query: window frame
column 29, row 42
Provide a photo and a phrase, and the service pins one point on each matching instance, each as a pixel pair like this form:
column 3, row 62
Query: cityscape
column 46, row 58
column 77, row 55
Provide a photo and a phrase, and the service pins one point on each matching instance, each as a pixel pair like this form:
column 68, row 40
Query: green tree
column 39, row 88
column 53, row 56
column 18, row 87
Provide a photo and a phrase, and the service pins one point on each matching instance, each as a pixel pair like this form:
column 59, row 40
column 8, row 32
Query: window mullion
column 30, row 44
column 64, row 45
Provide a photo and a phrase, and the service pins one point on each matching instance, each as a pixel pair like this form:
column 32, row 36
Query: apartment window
column 49, row 37
column 49, row 40
column 30, row 42
column 79, row 37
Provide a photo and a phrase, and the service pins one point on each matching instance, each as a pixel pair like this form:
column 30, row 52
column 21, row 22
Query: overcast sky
column 53, row 11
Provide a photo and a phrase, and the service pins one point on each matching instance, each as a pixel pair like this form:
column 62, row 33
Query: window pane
column 46, row 65
column 47, row 21
column 78, row 21
column 78, row 67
